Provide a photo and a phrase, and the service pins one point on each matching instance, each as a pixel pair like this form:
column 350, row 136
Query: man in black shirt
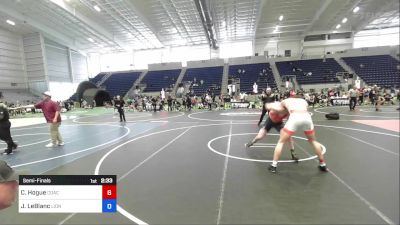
column 189, row 103
column 5, row 126
column 266, row 98
column 169, row 101
column 119, row 105
column 154, row 103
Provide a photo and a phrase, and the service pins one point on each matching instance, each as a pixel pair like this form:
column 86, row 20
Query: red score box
column 109, row 191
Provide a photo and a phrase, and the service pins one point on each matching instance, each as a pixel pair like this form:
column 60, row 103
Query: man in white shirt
column 255, row 88
column 353, row 94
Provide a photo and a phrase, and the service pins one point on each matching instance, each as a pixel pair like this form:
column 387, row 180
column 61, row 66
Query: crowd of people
column 329, row 97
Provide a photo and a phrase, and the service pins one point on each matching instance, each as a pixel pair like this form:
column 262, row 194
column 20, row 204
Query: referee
column 5, row 125
column 119, row 104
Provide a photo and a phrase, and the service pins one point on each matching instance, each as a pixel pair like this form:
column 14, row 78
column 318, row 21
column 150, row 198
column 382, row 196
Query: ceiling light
column 97, row 8
column 356, row 9
column 90, row 39
column 280, row 17
column 10, row 22
column 338, row 26
column 344, row 20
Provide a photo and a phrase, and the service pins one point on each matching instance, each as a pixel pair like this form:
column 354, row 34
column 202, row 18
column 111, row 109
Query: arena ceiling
column 118, row 25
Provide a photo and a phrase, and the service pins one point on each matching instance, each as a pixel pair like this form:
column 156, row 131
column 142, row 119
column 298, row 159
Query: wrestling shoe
column 272, row 168
column 248, row 145
column 50, row 145
column 7, row 152
column 323, row 168
column 294, row 156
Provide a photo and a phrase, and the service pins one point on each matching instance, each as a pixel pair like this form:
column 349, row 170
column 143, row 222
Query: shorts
column 270, row 124
column 299, row 121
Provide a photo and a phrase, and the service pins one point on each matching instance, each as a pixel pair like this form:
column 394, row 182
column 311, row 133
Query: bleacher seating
column 377, row 69
column 260, row 73
column 97, row 78
column 73, row 97
column 312, row 71
column 20, row 96
column 120, row 83
column 211, row 76
column 156, row 80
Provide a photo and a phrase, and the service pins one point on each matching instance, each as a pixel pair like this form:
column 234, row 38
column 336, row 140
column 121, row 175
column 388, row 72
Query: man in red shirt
column 51, row 111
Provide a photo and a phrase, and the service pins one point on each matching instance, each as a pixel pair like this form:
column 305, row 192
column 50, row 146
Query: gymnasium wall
column 35, row 63
column 65, row 69
column 79, row 67
column 57, row 62
column 12, row 70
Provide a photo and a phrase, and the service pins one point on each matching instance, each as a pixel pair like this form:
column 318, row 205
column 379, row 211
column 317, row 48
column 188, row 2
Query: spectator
column 51, row 112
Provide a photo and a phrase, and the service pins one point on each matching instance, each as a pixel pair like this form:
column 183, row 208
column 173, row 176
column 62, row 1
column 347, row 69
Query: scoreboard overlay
column 67, row 194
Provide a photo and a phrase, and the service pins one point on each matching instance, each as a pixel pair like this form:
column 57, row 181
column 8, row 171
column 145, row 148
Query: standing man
column 372, row 96
column 51, row 111
column 162, row 93
column 266, row 98
column 189, row 103
column 154, row 103
column 361, row 96
column 169, row 102
column 209, row 101
column 353, row 94
column 299, row 119
column 119, row 105
column 255, row 88
column 5, row 125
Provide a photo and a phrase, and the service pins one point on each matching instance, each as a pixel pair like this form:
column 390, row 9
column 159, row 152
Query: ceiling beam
column 384, row 8
column 263, row 3
column 317, row 15
column 93, row 25
column 283, row 26
column 45, row 30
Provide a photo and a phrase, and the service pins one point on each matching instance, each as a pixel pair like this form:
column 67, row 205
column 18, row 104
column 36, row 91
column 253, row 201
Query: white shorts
column 299, row 121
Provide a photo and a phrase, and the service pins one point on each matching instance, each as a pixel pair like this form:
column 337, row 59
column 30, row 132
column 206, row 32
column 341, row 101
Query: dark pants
column 372, row 100
column 353, row 102
column 169, row 107
column 361, row 99
column 264, row 111
column 121, row 115
column 5, row 135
